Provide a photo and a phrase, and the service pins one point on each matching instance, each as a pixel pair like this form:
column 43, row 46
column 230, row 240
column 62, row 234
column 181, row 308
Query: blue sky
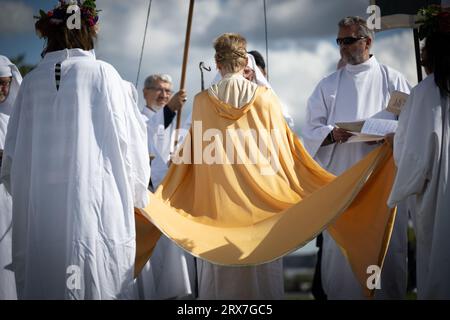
column 301, row 35
column 23, row 39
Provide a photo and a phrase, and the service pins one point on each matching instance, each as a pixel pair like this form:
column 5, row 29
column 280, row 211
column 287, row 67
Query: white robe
column 355, row 92
column 170, row 272
column 241, row 283
column 7, row 280
column 76, row 162
column 160, row 142
column 421, row 152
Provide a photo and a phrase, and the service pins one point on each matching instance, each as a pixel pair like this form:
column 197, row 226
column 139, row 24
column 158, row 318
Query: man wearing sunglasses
column 357, row 91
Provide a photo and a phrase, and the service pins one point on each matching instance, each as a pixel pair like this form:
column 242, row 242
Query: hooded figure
column 10, row 80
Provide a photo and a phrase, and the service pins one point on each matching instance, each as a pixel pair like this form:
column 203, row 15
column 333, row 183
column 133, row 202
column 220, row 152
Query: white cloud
column 15, row 17
column 295, row 72
column 297, row 59
column 311, row 18
column 397, row 51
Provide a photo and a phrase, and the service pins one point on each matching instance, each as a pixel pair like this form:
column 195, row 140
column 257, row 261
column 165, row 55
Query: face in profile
column 5, row 84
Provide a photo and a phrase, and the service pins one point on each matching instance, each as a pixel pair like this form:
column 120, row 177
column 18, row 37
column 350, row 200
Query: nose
column 163, row 96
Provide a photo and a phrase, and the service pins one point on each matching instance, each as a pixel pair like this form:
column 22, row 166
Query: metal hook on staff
column 203, row 67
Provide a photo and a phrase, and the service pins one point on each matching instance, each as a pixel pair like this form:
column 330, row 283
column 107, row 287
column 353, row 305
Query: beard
column 355, row 57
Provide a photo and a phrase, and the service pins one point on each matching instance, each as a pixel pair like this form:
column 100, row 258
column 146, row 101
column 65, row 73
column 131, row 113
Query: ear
column 368, row 43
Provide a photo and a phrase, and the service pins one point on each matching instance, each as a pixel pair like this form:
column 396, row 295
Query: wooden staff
column 183, row 69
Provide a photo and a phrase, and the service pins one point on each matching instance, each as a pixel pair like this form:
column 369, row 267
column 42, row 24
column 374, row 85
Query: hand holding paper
column 369, row 130
column 379, row 127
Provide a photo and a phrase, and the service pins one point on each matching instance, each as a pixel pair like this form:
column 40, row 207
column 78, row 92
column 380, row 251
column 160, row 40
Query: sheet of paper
column 372, row 129
column 379, row 127
column 360, row 137
column 396, row 102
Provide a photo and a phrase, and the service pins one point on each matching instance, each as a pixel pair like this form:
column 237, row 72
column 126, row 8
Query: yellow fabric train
column 243, row 190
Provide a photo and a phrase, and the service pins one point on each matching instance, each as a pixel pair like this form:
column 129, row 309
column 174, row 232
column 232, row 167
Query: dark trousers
column 317, row 289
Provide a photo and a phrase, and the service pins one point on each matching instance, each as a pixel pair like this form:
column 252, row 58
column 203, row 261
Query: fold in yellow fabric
column 242, row 190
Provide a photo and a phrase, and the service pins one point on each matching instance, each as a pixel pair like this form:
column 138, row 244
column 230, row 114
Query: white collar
column 231, row 75
column 60, row 55
column 152, row 110
column 366, row 65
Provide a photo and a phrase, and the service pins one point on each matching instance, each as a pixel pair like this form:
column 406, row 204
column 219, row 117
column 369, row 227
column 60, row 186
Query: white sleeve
column 402, row 84
column 414, row 146
column 316, row 128
column 402, row 130
column 132, row 133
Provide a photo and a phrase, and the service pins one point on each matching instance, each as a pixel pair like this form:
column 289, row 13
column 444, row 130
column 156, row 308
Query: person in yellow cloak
column 243, row 191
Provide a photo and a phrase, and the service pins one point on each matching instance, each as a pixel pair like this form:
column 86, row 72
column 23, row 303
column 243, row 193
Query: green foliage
column 433, row 19
column 89, row 4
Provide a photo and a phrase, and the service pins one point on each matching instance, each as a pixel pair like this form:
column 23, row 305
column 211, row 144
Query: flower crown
column 59, row 15
column 433, row 19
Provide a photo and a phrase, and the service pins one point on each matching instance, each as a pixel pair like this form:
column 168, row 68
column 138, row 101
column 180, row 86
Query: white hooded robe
column 7, row 280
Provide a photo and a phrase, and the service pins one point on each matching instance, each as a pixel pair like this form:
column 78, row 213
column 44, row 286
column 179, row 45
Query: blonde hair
column 231, row 52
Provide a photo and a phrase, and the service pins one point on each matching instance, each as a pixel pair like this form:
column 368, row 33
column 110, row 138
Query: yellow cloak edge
column 352, row 207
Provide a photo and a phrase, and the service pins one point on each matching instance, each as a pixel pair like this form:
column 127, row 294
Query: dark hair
column 59, row 37
column 437, row 52
column 361, row 23
column 258, row 59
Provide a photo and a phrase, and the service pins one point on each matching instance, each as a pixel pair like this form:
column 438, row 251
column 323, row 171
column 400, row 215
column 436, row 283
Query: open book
column 368, row 130
column 374, row 129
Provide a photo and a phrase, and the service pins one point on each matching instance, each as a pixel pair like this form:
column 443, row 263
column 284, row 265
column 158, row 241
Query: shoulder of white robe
column 397, row 80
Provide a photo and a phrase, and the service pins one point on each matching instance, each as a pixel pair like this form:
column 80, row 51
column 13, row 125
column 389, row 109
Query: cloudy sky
column 301, row 37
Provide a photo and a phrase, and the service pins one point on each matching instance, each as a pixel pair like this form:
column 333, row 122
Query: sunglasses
column 5, row 83
column 348, row 40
